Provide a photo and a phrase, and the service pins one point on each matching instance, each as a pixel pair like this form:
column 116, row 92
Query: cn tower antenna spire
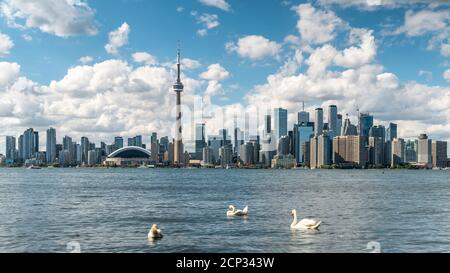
column 178, row 63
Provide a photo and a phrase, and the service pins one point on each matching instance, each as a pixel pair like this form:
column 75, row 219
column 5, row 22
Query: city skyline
column 103, row 78
column 315, row 144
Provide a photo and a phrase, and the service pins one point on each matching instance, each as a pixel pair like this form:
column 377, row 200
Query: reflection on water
column 113, row 210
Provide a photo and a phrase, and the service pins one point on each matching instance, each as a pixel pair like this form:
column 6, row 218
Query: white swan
column 154, row 233
column 233, row 212
column 305, row 223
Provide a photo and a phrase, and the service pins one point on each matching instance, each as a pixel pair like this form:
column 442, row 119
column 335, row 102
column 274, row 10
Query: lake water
column 111, row 210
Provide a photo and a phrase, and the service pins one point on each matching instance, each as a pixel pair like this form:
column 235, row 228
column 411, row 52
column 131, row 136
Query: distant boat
column 32, row 167
column 146, row 166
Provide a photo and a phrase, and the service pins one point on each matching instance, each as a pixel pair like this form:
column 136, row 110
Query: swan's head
column 231, row 207
column 154, row 227
column 293, row 212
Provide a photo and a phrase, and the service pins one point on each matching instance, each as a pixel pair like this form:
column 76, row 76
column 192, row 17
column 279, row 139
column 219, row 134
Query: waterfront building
column 349, row 129
column 280, row 122
column 207, row 157
column 283, row 162
column 267, row 124
column 225, row 155
column 247, row 154
column 118, row 142
column 364, row 125
column 339, row 125
column 301, row 134
column 51, row 146
column 320, row 151
column 306, row 154
column 398, row 152
column 238, row 140
column 92, row 158
column 303, row 117
column 85, row 149
column 439, row 154
column 154, row 148
column 10, row 150
column 318, row 122
column 349, row 150
column 29, row 144
column 284, row 145
column 391, row 132
column 200, row 140
column 339, row 150
column 424, row 151
column 376, row 151
column 20, row 149
column 411, row 151
column 79, row 154
column 130, row 142
column 163, row 144
column 255, row 141
column 333, row 121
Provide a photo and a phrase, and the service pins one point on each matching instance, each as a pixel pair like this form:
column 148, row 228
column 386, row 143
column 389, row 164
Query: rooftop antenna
column 303, row 106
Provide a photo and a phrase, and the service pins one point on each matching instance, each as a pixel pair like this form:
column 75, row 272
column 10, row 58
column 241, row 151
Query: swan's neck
column 295, row 219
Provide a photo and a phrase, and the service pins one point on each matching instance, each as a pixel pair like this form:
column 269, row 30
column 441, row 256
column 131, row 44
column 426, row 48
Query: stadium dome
column 129, row 156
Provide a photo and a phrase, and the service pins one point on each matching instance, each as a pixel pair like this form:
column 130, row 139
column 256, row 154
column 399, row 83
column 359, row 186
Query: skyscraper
column 280, row 122
column 10, row 149
column 391, row 132
column 85, row 149
column 20, row 148
column 178, row 88
column 376, row 151
column 339, row 125
column 439, row 154
column 138, row 141
column 301, row 134
column 424, row 150
column 318, row 126
column 29, row 144
column 51, row 146
column 398, row 152
column 267, row 124
column 320, row 151
column 333, row 120
column 349, row 129
column 303, row 116
column 349, row 149
column 118, row 143
column 200, row 140
column 364, row 125
column 68, row 146
column 411, row 151
column 35, row 143
column 154, row 138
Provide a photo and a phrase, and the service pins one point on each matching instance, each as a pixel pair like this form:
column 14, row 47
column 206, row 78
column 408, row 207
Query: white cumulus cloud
column 144, row 57
column 5, row 44
column 62, row 18
column 221, row 4
column 316, row 26
column 446, row 75
column 117, row 39
column 254, row 47
column 215, row 72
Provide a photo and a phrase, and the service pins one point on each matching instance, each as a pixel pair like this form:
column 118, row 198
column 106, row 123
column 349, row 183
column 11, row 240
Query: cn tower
column 178, row 88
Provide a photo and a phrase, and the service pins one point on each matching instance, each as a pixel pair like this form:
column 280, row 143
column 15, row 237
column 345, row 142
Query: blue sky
column 407, row 53
column 157, row 26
